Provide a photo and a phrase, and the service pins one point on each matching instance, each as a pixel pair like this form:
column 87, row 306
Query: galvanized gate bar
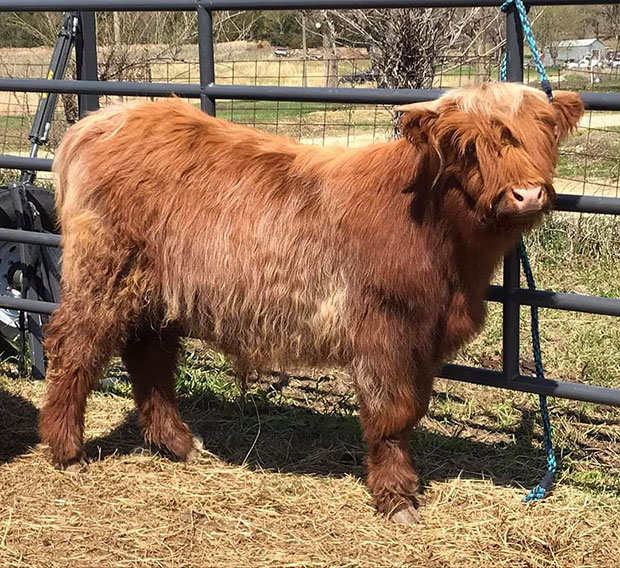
column 22, row 163
column 512, row 267
column 188, row 5
column 526, row 383
column 564, row 202
column 558, row 300
column 23, row 304
column 206, row 57
column 128, row 88
column 540, row 298
column 587, row 204
column 86, row 60
column 602, row 101
column 487, row 377
column 29, row 237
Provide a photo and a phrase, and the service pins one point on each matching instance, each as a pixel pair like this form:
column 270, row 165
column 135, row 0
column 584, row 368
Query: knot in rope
column 545, row 84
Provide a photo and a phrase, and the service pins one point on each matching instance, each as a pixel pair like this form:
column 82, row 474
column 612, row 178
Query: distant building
column 575, row 49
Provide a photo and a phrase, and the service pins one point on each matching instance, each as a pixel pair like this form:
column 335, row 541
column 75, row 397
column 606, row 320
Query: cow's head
column 492, row 147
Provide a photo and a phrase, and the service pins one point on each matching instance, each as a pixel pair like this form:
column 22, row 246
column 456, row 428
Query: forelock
column 492, row 99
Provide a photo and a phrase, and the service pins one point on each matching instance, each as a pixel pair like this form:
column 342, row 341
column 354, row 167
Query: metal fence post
column 86, row 59
column 512, row 273
column 206, row 57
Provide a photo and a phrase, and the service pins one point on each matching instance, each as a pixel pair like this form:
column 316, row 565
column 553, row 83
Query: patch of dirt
column 602, row 187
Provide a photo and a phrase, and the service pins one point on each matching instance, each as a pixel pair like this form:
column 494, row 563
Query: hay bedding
column 139, row 510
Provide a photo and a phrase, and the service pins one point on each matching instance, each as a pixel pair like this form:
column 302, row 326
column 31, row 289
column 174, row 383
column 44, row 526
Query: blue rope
column 540, row 490
column 531, row 41
column 543, row 488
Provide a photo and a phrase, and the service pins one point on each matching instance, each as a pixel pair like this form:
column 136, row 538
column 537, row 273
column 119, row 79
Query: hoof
column 79, row 465
column 199, row 443
column 405, row 514
column 141, row 451
column 198, row 447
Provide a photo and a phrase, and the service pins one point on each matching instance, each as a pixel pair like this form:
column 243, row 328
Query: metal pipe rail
column 216, row 5
column 557, row 300
column 29, row 237
column 593, row 101
column 487, row 377
column 564, row 202
column 527, row 383
column 23, row 163
column 540, row 298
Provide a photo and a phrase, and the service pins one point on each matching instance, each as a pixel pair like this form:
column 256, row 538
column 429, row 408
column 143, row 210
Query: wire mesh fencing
column 589, row 161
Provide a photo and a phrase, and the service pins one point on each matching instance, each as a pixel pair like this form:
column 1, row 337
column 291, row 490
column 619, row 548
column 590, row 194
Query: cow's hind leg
column 393, row 397
column 80, row 338
column 151, row 361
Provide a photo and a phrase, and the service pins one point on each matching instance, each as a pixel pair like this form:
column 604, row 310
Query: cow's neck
column 475, row 249
column 478, row 248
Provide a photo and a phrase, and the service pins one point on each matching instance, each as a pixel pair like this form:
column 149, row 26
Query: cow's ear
column 569, row 109
column 417, row 121
column 428, row 170
column 416, row 126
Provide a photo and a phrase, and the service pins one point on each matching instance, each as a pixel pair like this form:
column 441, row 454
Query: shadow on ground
column 18, row 426
column 295, row 438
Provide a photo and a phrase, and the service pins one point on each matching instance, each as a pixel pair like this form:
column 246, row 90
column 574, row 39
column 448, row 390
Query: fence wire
column 589, row 161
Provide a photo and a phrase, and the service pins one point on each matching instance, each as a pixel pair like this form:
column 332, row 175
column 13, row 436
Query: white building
column 574, row 49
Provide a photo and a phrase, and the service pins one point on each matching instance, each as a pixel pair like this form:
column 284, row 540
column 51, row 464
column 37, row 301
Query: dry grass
column 281, row 484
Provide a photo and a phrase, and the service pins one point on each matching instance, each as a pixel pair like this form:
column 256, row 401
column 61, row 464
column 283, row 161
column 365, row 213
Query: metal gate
column 510, row 294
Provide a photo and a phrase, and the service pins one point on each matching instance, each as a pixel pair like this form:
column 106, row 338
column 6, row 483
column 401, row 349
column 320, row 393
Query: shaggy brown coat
column 278, row 253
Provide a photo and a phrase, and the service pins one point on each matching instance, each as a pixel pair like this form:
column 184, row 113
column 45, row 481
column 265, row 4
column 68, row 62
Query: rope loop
column 522, row 10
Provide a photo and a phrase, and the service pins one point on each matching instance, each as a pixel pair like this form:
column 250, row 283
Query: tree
column 129, row 43
column 404, row 45
column 280, row 28
column 234, row 26
column 552, row 25
column 330, row 49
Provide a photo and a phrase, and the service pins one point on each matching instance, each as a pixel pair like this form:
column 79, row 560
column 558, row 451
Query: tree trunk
column 330, row 52
column 118, row 46
column 304, row 49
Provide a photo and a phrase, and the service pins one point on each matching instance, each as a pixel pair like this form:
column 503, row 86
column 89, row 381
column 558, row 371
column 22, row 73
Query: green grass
column 581, row 81
column 271, row 111
column 591, row 154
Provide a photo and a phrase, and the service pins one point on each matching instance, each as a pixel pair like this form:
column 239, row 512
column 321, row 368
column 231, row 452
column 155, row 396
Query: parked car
column 358, row 77
column 586, row 62
column 613, row 63
column 595, row 62
column 281, row 52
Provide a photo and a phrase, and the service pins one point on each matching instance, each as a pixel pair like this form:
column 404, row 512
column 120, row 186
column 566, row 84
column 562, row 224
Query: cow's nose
column 529, row 199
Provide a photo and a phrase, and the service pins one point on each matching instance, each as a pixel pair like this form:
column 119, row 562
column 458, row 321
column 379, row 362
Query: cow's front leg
column 392, row 399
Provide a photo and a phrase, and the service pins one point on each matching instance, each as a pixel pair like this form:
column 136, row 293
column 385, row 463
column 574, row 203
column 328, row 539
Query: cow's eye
column 508, row 138
column 470, row 151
